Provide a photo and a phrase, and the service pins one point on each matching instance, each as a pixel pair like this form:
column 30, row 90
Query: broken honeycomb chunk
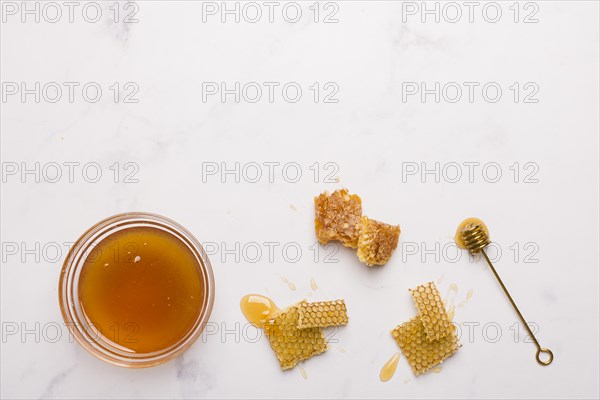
column 432, row 312
column 337, row 217
column 322, row 314
column 289, row 343
column 421, row 353
column 377, row 241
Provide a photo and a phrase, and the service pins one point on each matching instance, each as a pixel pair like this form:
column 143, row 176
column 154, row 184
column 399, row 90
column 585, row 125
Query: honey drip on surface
column 451, row 313
column 257, row 308
column 389, row 368
column 453, row 289
column 303, row 372
column 287, row 282
column 466, row 300
column 441, row 278
column 313, row 284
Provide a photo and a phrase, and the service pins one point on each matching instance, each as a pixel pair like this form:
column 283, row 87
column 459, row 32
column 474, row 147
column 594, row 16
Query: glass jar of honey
column 136, row 289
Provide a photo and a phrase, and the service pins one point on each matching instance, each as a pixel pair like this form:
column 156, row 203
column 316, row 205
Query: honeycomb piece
column 337, row 217
column 322, row 314
column 421, row 353
column 431, row 311
column 377, row 241
column 289, row 343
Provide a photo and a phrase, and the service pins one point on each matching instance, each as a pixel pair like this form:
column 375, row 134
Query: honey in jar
column 142, row 289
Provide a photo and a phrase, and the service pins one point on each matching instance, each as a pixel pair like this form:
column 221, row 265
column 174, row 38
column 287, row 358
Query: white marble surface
column 370, row 136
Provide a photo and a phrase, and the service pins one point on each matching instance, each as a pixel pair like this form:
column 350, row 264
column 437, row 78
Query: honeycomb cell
column 431, row 311
column 421, row 353
column 322, row 314
column 337, row 217
column 377, row 241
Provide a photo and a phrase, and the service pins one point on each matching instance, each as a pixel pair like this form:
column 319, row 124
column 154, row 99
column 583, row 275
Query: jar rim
column 85, row 333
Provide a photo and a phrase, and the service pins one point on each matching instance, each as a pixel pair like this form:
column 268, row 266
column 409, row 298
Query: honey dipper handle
column 540, row 350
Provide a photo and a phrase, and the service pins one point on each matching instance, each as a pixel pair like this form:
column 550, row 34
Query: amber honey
column 389, row 368
column 257, row 308
column 142, row 289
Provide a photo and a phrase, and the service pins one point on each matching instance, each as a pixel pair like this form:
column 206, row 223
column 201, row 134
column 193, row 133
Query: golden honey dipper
column 472, row 235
